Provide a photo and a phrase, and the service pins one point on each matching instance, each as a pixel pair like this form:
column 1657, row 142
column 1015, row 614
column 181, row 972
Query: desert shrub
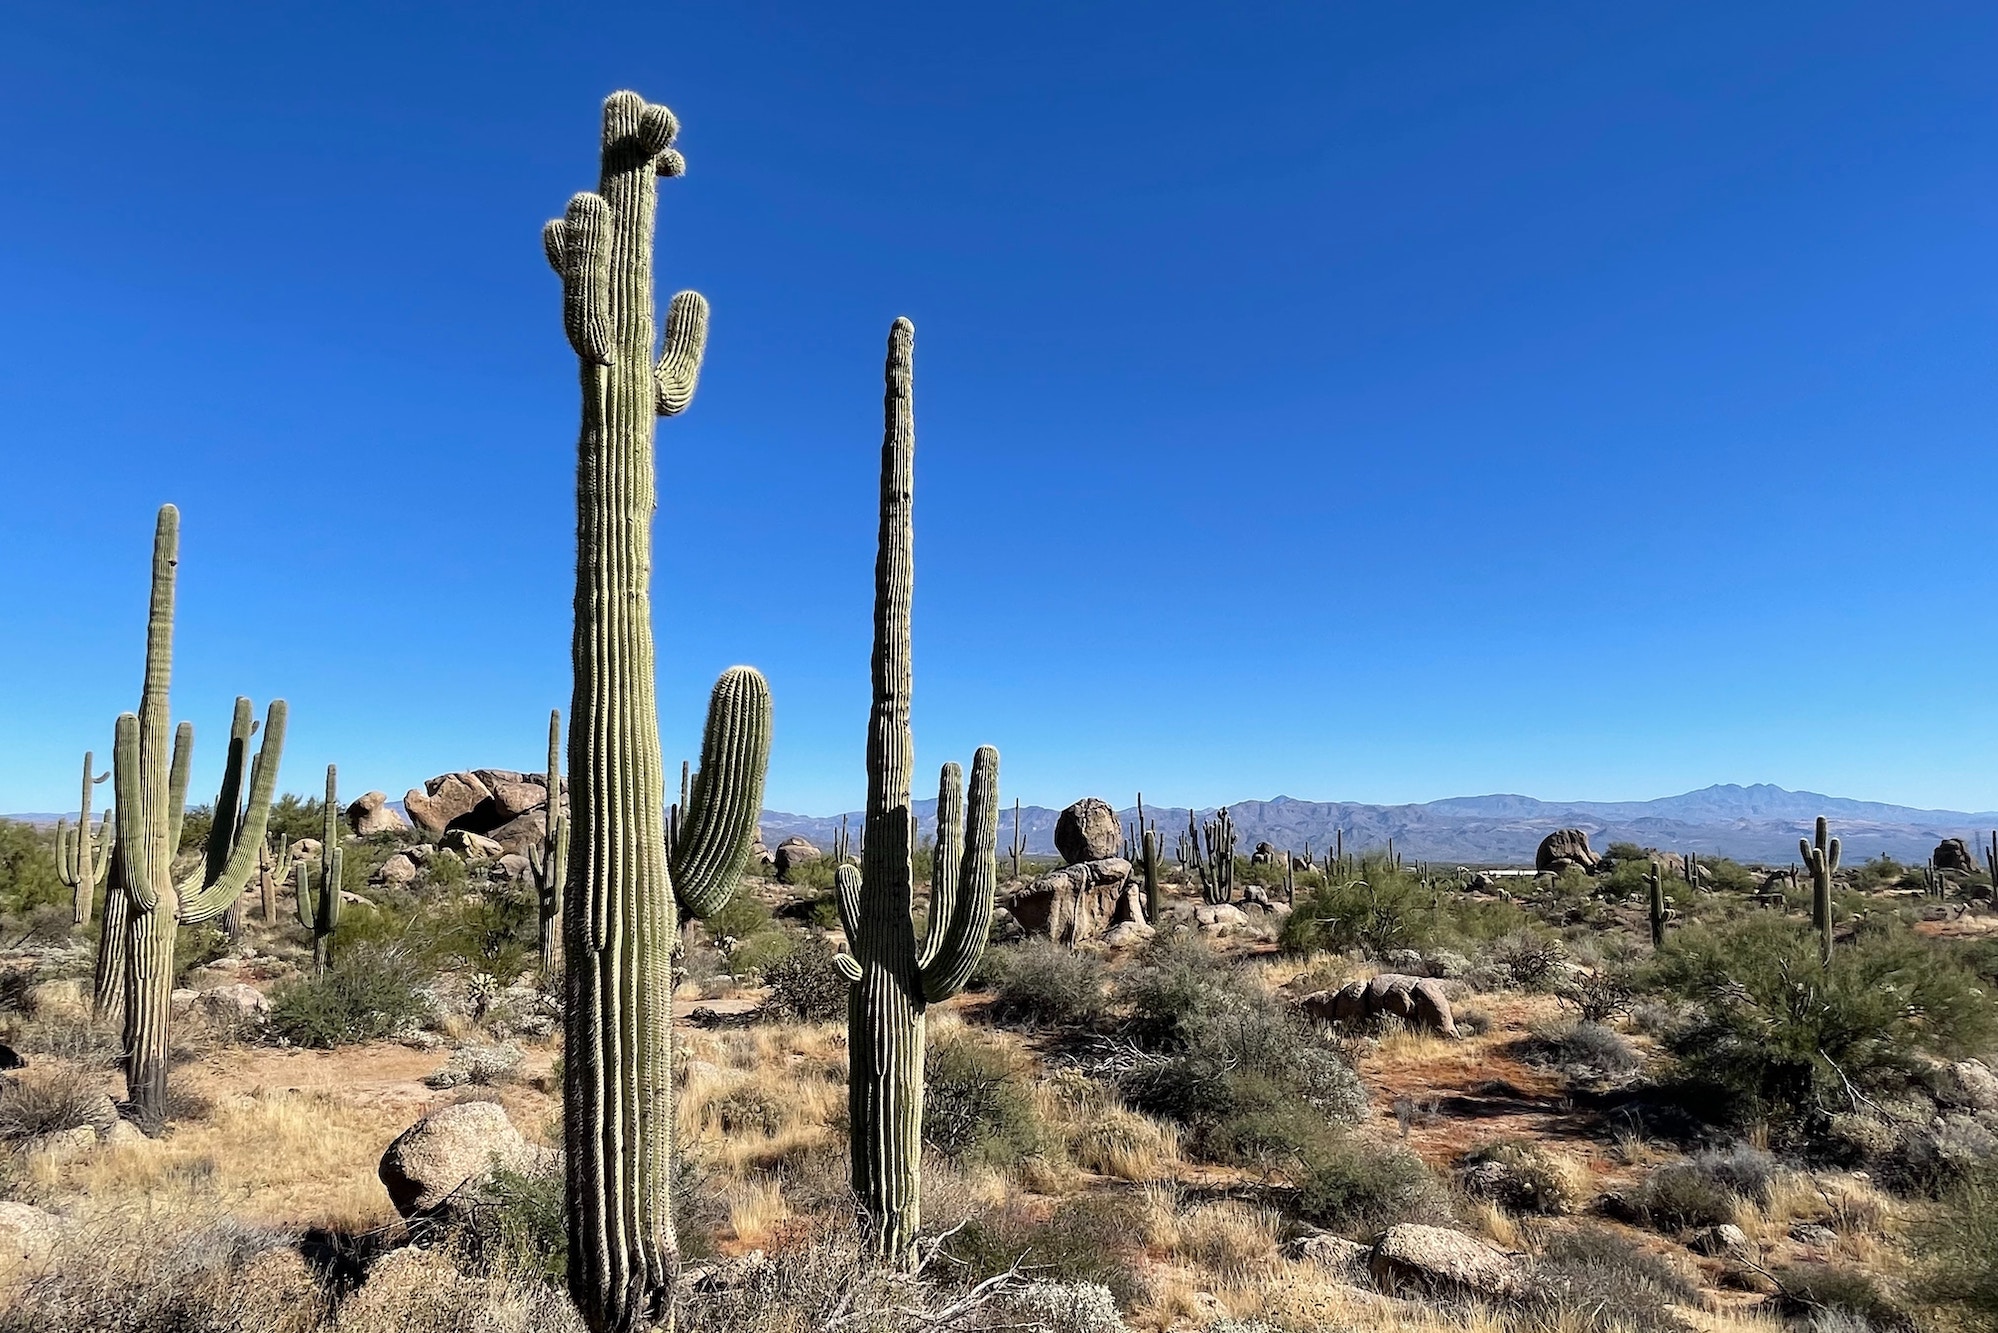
column 293, row 817
column 740, row 917
column 1838, row 1289
column 27, row 868
column 1527, row 957
column 1959, row 1245
column 365, row 996
column 172, row 1274
column 196, row 947
column 1064, row 1307
column 497, row 931
column 1706, row 1189
column 48, row 1101
column 483, row 1066
column 1360, row 1189
column 1532, row 1178
column 753, row 956
column 1178, row 987
column 518, row 1227
column 975, row 1103
column 1591, row 1278
column 1387, row 909
column 805, row 984
column 1582, row 1050
column 1090, row 1238
column 1597, row 995
column 1041, row 983
column 1778, row 1036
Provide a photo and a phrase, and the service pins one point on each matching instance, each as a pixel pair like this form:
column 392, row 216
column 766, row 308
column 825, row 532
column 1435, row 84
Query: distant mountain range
column 1756, row 823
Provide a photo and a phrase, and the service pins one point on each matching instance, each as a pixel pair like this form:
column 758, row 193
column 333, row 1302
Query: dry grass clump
column 419, row 1291
column 50, row 1099
column 169, row 1271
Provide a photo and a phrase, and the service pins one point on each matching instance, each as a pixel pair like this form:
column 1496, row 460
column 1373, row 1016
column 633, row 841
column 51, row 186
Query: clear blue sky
column 1359, row 401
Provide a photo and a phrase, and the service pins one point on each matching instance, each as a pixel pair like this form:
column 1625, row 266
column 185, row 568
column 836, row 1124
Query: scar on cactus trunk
column 892, row 983
column 151, row 800
column 620, row 918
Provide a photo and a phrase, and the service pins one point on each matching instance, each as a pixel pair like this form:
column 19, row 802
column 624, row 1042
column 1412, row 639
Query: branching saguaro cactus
column 548, row 860
column 151, row 796
column 1821, row 859
column 1216, row 866
column 894, row 982
column 273, row 868
column 319, row 912
column 82, row 861
column 620, row 923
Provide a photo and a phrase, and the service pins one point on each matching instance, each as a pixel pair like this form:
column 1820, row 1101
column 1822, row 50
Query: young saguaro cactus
column 893, row 981
column 81, row 865
column 320, row 912
column 548, row 860
column 1821, row 859
column 151, row 797
column 273, row 868
column 620, row 922
column 1656, row 880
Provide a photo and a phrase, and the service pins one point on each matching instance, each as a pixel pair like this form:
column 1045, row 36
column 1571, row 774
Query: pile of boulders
column 1093, row 896
column 510, row 809
column 1420, row 1002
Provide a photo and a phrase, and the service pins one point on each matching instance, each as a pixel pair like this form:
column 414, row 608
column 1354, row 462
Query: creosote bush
column 1044, row 985
column 366, row 995
column 975, row 1103
column 1360, row 1189
column 805, row 984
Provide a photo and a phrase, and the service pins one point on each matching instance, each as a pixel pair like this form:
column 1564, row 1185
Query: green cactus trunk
column 548, row 861
column 620, row 922
column 892, row 983
column 82, row 864
column 1821, row 859
column 1657, row 881
column 320, row 912
column 151, row 800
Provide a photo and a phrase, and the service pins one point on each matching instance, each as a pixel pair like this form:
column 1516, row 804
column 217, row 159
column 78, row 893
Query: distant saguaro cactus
column 81, row 865
column 893, row 983
column 320, row 912
column 620, row 923
column 548, row 860
column 1216, row 866
column 151, row 796
column 273, row 868
column 1656, row 879
column 1821, row 859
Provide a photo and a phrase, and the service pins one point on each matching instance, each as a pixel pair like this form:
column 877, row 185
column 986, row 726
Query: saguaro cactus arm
column 232, row 862
column 726, row 796
column 578, row 246
column 961, row 915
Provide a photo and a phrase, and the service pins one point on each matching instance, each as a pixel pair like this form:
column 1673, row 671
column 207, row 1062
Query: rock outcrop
column 1079, row 902
column 373, row 814
column 1442, row 1261
column 1564, row 848
column 1954, row 854
column 792, row 853
column 1420, row 1002
column 448, row 1154
column 443, row 799
column 1088, row 831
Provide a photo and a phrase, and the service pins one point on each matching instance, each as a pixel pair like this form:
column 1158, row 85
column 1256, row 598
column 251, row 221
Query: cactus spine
column 619, row 920
column 151, row 795
column 82, row 866
column 320, row 913
column 892, row 982
column 548, row 860
column 1821, row 859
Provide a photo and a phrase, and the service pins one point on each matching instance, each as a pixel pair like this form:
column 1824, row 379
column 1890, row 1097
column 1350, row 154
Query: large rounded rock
column 1420, row 1002
column 373, row 814
column 1954, row 854
column 442, row 1153
column 1079, row 902
column 27, row 1234
column 237, row 1002
column 793, row 852
column 471, row 846
column 1088, row 831
column 444, row 799
column 1442, row 1261
column 1564, row 848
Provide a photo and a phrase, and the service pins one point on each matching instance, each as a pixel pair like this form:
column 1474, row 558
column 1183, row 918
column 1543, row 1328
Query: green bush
column 1385, row 910
column 1361, row 1189
column 1780, row 1037
column 975, row 1103
column 1178, row 986
column 367, row 995
column 1815, row 1290
column 1704, row 1190
column 805, row 984
column 518, row 1228
column 27, row 869
column 1582, row 1050
column 1092, row 1238
column 1041, row 983
column 1959, row 1245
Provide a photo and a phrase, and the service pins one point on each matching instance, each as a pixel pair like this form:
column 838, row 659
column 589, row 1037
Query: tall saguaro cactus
column 151, row 798
column 78, row 863
column 620, row 921
column 893, row 982
column 1656, row 881
column 548, row 861
column 320, row 912
column 1821, row 859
